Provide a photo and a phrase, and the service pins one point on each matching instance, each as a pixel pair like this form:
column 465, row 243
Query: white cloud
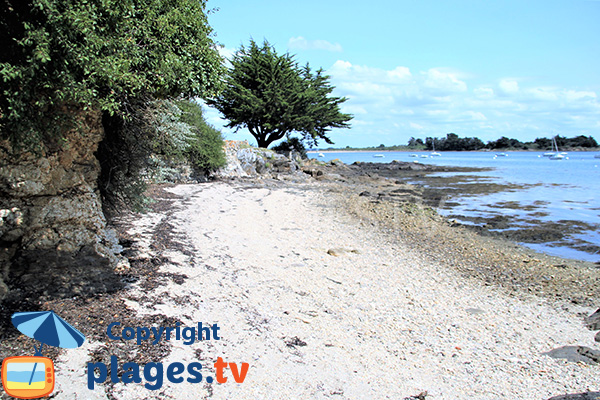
column 545, row 94
column 443, row 82
column 509, row 86
column 391, row 105
column 400, row 74
column 438, row 100
column 484, row 92
column 348, row 71
column 573, row 95
column 300, row 43
column 354, row 109
column 476, row 116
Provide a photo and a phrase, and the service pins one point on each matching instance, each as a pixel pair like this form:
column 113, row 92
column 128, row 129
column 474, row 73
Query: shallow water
column 541, row 191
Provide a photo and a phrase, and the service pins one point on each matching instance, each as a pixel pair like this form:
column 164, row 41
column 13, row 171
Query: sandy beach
column 322, row 302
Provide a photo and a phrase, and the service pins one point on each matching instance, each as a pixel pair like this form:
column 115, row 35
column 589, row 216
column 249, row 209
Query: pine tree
column 272, row 96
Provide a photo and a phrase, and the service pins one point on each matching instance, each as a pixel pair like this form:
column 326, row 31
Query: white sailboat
column 435, row 153
column 556, row 155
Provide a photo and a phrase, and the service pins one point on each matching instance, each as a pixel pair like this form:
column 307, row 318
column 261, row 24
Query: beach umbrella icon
column 47, row 328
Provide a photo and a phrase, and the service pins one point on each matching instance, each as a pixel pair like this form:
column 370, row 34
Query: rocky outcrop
column 244, row 160
column 49, row 204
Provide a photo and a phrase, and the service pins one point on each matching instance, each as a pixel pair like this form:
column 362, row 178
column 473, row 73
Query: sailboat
column 557, row 155
column 435, row 153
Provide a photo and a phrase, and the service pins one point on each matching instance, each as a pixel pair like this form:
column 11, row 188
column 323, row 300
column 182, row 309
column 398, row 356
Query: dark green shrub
column 205, row 151
column 272, row 96
column 292, row 145
column 124, row 154
column 156, row 134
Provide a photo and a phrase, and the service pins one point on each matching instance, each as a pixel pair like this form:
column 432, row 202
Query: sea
column 538, row 189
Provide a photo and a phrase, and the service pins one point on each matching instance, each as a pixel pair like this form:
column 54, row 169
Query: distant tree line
column 452, row 142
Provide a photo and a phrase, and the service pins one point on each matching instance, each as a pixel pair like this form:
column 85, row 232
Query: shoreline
column 452, row 151
column 440, row 190
column 409, row 211
column 296, row 273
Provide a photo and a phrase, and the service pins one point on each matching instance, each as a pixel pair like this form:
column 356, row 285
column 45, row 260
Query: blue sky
column 485, row 68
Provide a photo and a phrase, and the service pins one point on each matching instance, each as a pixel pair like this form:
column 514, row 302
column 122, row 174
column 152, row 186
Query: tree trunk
column 262, row 142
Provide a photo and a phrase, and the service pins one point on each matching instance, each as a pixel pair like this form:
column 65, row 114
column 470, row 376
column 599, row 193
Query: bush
column 124, row 154
column 143, row 147
column 205, row 146
column 292, row 145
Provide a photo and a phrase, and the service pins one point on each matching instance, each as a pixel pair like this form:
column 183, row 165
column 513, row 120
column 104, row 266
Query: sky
column 423, row 68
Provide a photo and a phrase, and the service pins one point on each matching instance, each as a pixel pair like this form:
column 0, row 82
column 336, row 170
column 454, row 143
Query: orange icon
column 28, row 377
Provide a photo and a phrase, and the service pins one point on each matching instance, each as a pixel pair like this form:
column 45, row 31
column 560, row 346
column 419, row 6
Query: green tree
column 272, row 96
column 98, row 54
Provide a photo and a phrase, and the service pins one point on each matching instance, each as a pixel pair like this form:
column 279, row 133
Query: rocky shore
column 379, row 193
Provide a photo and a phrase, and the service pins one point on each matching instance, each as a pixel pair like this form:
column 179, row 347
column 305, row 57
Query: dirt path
column 321, row 306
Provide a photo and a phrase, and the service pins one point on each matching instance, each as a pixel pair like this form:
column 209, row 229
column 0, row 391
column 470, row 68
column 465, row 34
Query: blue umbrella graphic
column 47, row 328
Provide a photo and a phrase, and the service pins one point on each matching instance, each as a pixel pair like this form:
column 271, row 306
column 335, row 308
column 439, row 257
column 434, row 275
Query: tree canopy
column 453, row 142
column 98, row 54
column 272, row 96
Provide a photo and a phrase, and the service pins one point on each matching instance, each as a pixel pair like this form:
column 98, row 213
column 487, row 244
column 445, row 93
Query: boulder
column 244, row 161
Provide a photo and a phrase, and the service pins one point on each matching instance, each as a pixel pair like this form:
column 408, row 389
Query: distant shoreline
column 462, row 151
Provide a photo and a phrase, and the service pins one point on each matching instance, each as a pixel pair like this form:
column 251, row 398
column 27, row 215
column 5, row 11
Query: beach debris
column 339, row 251
column 578, row 396
column 475, row 311
column 294, row 342
column 333, row 280
column 420, row 396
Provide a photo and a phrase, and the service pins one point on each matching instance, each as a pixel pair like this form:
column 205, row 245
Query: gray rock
column 50, row 200
column 578, row 396
column 593, row 321
column 576, row 354
column 475, row 311
column 246, row 161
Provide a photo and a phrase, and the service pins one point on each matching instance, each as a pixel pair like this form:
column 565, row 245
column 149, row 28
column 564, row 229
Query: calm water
column 561, row 189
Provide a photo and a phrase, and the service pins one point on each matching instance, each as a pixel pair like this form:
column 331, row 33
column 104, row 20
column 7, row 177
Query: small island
column 452, row 142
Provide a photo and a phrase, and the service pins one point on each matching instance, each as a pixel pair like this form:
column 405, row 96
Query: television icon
column 28, row 377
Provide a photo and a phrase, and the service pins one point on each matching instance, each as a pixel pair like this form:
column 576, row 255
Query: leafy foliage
column 205, row 147
column 416, row 143
column 123, row 154
column 157, row 135
column 452, row 142
column 100, row 54
column 543, row 143
column 272, row 96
